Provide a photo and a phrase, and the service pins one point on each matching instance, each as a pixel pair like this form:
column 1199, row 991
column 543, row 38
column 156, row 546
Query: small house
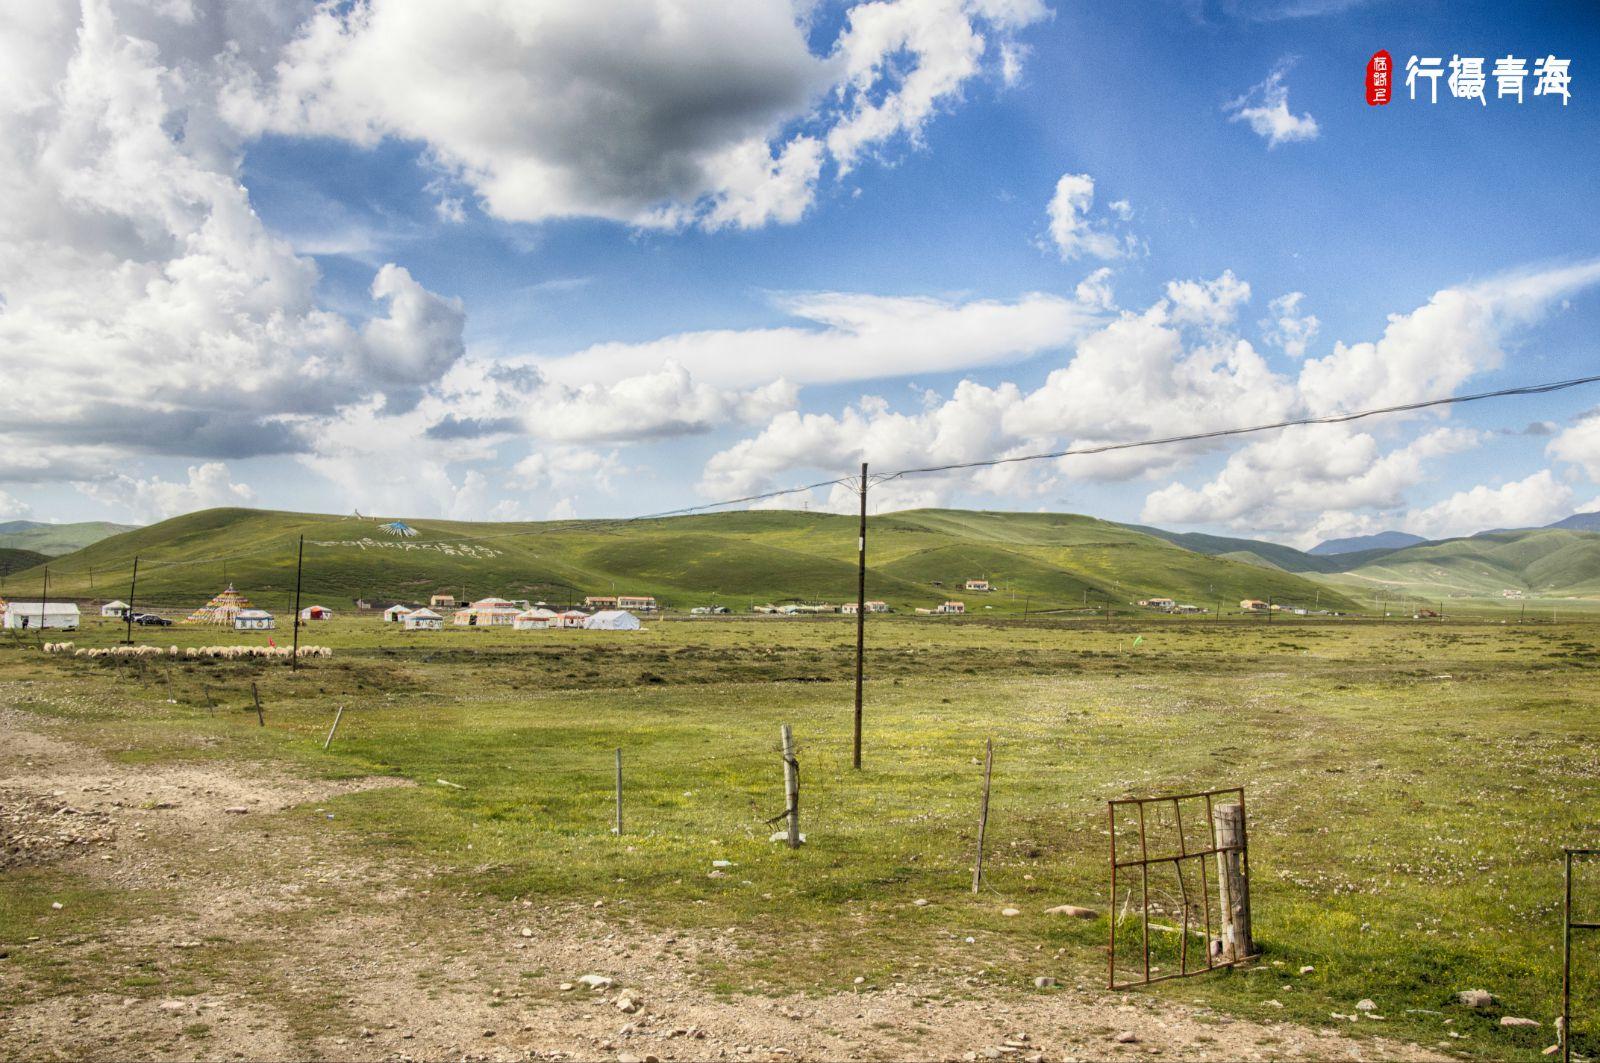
column 422, row 620
column 850, row 608
column 1253, row 605
column 612, row 620
column 602, row 601
column 117, row 610
column 641, row 603
column 952, row 608
column 978, row 585
column 316, row 612
column 443, row 601
column 41, row 615
column 1158, row 603
column 253, row 620
column 396, row 613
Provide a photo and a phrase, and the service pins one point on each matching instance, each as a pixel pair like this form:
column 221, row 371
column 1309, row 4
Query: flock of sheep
column 231, row 653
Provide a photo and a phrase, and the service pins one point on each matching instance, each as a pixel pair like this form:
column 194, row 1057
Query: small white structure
column 952, row 608
column 117, row 610
column 535, row 619
column 487, row 612
column 254, row 620
column 612, row 620
column 850, row 608
column 572, row 618
column 422, row 620
column 978, row 585
column 39, row 615
column 396, row 613
column 316, row 612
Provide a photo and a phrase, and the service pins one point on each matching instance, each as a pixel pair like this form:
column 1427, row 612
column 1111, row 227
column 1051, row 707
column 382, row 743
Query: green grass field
column 1410, row 788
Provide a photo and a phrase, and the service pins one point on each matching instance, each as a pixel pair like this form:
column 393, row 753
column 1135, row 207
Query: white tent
column 534, row 619
column 395, row 612
column 316, row 612
column 422, row 620
column 117, row 609
column 612, row 620
column 32, row 615
column 254, row 620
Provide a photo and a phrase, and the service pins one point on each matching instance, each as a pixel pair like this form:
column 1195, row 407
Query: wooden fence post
column 983, row 811
column 618, row 828
column 791, row 786
column 336, row 717
column 260, row 716
column 1233, row 883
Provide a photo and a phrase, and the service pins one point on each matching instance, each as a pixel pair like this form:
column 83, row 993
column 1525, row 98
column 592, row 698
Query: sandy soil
column 275, row 944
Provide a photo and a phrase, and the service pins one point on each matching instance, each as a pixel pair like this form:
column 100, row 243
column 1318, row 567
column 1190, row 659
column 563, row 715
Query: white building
column 395, row 613
column 117, row 610
column 612, row 620
column 952, row 608
column 254, row 620
column 422, row 620
column 39, row 615
column 977, row 585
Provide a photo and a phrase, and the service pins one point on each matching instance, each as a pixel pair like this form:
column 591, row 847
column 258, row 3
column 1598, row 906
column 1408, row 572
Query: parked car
column 151, row 620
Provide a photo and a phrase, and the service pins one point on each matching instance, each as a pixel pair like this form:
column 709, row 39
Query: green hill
column 1543, row 562
column 18, row 560
column 53, row 540
column 918, row 559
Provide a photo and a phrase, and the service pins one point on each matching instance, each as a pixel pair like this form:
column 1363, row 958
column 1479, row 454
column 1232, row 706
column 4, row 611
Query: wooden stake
column 260, row 716
column 791, row 786
column 983, row 811
column 332, row 729
column 618, row 828
column 1233, row 883
column 861, row 609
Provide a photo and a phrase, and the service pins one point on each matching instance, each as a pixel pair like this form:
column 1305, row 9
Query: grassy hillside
column 54, row 540
column 918, row 559
column 1544, row 562
column 18, row 560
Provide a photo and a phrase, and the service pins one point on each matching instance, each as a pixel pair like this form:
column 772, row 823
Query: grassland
column 53, row 540
column 1410, row 786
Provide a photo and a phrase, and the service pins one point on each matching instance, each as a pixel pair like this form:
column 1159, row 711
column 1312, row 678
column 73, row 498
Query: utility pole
column 44, row 598
column 132, row 587
column 861, row 609
column 294, row 656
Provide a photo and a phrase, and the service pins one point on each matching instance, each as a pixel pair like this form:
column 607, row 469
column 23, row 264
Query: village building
column 422, row 620
column 850, row 608
column 1157, row 603
column 444, row 601
column 600, row 601
column 253, row 620
column 396, row 613
column 612, row 620
column 642, row 603
column 487, row 612
column 1253, row 605
column 952, row 608
column 316, row 612
column 117, row 610
column 978, row 585
column 41, row 615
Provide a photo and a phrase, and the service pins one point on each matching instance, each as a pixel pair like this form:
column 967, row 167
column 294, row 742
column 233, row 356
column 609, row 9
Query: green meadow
column 1410, row 787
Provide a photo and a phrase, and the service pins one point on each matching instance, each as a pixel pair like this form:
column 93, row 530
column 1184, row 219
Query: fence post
column 618, row 827
column 1233, row 883
column 260, row 716
column 336, row 717
column 983, row 811
column 791, row 786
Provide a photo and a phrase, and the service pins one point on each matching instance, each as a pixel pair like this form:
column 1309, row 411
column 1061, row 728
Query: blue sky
column 377, row 258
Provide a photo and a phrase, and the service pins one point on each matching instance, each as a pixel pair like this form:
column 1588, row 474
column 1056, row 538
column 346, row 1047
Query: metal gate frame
column 1568, row 926
column 1177, row 859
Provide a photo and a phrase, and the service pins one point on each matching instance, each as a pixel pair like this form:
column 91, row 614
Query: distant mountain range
column 1384, row 540
column 53, row 540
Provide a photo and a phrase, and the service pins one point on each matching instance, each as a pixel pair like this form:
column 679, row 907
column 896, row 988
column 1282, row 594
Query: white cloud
column 152, row 499
column 1094, row 291
column 1266, row 108
column 1528, row 503
column 1580, row 445
column 567, row 468
column 1288, row 327
column 860, row 337
column 13, row 508
column 1212, row 304
column 1074, row 232
column 656, row 113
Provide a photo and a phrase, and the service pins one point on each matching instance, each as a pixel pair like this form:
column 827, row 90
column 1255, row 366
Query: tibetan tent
column 395, row 613
column 222, row 609
column 254, row 620
column 117, row 609
column 612, row 620
column 422, row 620
column 316, row 612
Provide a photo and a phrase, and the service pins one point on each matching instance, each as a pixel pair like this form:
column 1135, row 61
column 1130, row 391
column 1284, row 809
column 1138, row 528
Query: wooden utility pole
column 791, row 787
column 132, row 587
column 618, row 828
column 336, row 718
column 44, row 601
column 861, row 610
column 261, row 717
column 983, row 811
column 294, row 655
column 1233, row 883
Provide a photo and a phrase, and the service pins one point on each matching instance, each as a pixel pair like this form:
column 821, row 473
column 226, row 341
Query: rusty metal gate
column 1178, row 851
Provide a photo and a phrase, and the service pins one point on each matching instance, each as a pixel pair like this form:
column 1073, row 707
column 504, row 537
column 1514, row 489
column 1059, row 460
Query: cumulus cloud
column 1532, row 502
column 1266, row 108
column 1580, row 445
column 152, row 499
column 1073, row 229
column 1288, row 327
column 13, row 508
column 657, row 114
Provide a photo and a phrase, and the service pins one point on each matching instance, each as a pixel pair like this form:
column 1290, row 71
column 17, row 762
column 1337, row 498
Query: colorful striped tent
column 222, row 609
